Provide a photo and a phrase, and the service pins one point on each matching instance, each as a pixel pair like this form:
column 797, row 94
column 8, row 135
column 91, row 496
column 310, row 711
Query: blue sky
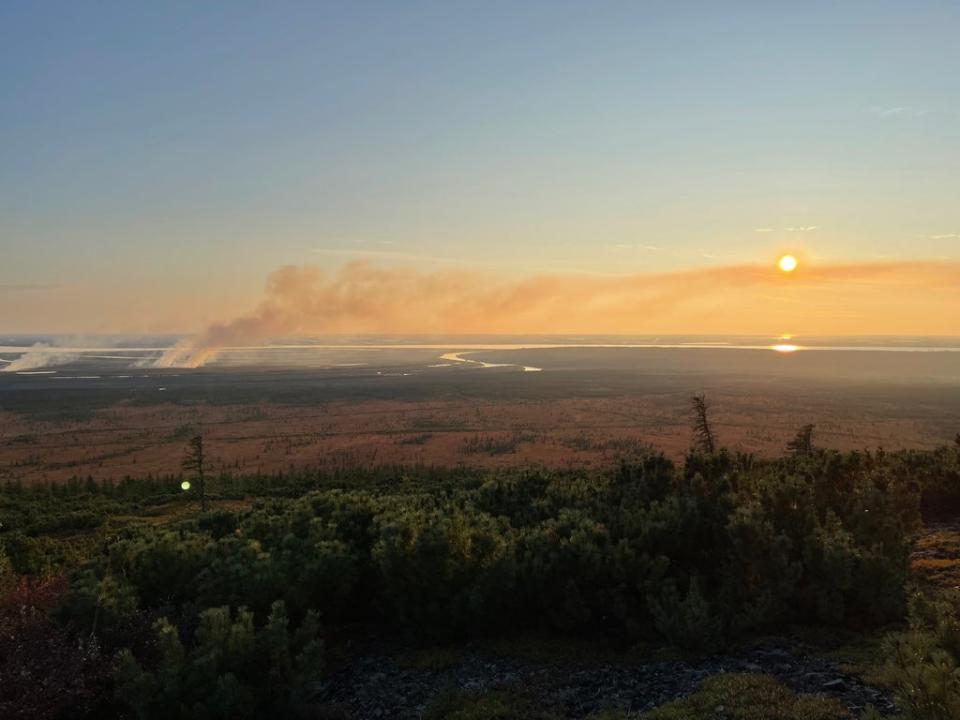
column 172, row 154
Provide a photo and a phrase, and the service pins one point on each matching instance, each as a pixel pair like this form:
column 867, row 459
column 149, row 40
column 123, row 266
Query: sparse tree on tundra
column 193, row 462
column 802, row 443
column 705, row 438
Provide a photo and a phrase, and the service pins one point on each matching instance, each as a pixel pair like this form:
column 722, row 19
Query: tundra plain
column 585, row 407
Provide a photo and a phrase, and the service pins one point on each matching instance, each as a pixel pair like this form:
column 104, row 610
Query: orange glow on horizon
column 857, row 298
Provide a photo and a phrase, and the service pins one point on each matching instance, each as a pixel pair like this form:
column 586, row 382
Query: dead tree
column 802, row 444
column 702, row 428
column 193, row 462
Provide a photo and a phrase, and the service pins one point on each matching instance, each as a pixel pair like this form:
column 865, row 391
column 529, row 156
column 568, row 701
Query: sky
column 160, row 161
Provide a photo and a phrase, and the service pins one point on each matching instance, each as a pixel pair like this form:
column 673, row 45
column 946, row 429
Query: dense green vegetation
column 228, row 613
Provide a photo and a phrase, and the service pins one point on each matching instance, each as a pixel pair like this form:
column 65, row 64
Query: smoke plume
column 40, row 355
column 841, row 299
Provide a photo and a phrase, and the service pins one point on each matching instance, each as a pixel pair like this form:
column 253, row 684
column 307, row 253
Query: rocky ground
column 375, row 686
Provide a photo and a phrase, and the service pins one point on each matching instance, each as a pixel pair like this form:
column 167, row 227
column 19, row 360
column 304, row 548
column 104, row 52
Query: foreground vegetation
column 169, row 612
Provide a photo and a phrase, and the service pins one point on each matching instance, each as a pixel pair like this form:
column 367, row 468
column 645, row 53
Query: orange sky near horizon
column 882, row 298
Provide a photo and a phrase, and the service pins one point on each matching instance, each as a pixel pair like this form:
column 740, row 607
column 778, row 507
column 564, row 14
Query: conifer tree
column 802, row 443
column 702, row 429
column 193, row 461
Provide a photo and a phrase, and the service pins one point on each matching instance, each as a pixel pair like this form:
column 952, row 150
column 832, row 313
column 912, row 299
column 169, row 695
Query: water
column 48, row 354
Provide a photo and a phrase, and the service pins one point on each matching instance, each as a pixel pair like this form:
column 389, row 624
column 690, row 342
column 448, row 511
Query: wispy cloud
column 897, row 111
column 398, row 255
column 799, row 228
column 944, row 236
column 637, row 246
column 26, row 287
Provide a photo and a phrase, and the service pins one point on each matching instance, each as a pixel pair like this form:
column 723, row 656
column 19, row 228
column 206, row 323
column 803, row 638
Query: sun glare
column 787, row 263
column 784, row 348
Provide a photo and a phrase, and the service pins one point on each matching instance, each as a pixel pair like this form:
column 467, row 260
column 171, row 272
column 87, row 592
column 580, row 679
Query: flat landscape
column 583, row 407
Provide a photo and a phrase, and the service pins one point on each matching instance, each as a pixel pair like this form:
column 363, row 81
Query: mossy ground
column 492, row 705
column 937, row 556
column 722, row 697
column 748, row 697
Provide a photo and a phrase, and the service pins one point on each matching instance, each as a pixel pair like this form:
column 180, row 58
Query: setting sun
column 787, row 263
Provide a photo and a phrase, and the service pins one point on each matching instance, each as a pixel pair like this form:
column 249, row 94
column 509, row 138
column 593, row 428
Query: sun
column 787, row 263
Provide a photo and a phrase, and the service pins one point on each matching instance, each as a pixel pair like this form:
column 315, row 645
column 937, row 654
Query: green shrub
column 232, row 668
column 761, row 572
column 445, row 568
column 218, row 523
column 923, row 663
column 686, row 621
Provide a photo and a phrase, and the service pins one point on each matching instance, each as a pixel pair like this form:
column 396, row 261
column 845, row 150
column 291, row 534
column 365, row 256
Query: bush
column 232, row 669
column 443, row 569
column 685, row 621
column 923, row 663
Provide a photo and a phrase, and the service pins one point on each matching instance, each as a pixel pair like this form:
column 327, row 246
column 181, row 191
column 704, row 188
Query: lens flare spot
column 185, row 485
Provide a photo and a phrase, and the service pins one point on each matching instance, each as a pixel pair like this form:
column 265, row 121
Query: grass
column 497, row 445
column 584, row 442
column 737, row 696
column 722, row 697
column 937, row 557
column 492, row 705
column 419, row 439
column 182, row 432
